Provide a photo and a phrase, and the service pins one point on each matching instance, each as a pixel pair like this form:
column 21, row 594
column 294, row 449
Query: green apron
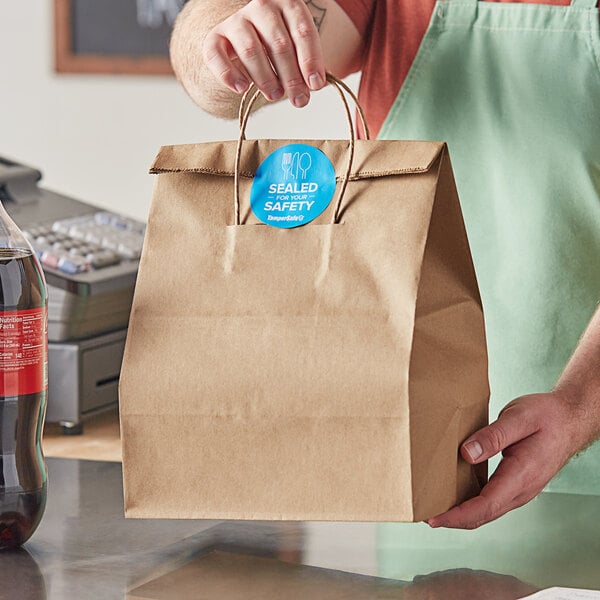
column 515, row 91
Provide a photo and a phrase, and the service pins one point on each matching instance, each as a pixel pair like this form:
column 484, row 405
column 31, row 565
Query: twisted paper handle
column 248, row 100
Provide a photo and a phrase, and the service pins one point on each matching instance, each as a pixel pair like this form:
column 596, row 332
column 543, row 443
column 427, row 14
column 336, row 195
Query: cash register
column 90, row 259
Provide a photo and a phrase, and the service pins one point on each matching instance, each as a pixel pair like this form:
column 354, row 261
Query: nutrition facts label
column 23, row 352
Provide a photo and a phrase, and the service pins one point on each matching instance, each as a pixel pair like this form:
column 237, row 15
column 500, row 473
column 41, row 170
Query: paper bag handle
column 248, row 100
column 332, row 79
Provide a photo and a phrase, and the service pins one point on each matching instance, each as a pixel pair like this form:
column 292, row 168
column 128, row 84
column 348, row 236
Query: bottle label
column 23, row 351
column 292, row 186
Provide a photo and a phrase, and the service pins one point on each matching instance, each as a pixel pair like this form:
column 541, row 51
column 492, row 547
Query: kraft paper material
column 327, row 372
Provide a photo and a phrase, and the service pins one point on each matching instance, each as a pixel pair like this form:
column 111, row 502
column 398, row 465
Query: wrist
column 581, row 402
column 579, row 385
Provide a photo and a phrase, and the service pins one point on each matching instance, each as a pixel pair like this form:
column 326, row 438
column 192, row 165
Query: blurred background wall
column 94, row 136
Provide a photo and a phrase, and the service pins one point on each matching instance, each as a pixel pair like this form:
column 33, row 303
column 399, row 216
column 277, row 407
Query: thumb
column 511, row 427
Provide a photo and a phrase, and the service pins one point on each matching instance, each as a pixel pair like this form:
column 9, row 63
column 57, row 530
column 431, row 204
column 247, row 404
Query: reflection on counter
column 552, row 541
column 20, row 576
column 85, row 548
column 225, row 575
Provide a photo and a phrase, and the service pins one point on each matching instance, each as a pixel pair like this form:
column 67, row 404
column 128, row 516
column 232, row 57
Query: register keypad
column 87, row 243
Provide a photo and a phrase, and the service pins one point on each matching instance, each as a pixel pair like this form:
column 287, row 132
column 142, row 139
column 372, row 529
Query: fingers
column 473, row 514
column 273, row 43
column 512, row 425
column 248, row 47
column 516, row 481
column 219, row 58
column 282, row 54
column 309, row 53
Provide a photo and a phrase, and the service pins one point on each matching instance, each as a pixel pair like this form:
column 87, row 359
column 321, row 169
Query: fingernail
column 315, row 81
column 474, row 449
column 277, row 94
column 241, row 85
column 433, row 523
column 300, row 100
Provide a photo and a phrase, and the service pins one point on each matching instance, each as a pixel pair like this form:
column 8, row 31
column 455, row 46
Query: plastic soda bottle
column 23, row 385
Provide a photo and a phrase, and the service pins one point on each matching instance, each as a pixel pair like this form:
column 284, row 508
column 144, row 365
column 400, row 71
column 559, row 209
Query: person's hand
column 273, row 43
column 537, row 435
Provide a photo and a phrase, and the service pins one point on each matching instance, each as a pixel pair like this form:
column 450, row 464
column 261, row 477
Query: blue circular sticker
column 292, row 186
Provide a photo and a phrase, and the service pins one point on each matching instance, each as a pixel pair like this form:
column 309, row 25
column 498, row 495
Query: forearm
column 580, row 383
column 194, row 22
column 283, row 46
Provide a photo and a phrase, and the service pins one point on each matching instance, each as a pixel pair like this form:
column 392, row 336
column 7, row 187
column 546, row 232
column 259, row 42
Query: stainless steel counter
column 85, row 548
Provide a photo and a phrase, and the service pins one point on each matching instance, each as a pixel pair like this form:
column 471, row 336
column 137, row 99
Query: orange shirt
column 393, row 30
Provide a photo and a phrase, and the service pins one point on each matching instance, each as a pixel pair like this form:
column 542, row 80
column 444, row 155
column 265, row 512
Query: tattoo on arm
column 317, row 12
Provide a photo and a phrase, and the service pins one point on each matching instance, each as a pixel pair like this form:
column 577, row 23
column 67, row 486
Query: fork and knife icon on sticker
column 295, row 163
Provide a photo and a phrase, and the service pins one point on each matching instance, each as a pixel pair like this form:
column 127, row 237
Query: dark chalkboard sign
column 114, row 36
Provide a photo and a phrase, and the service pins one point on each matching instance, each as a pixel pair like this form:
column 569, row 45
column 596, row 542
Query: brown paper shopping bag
column 324, row 372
